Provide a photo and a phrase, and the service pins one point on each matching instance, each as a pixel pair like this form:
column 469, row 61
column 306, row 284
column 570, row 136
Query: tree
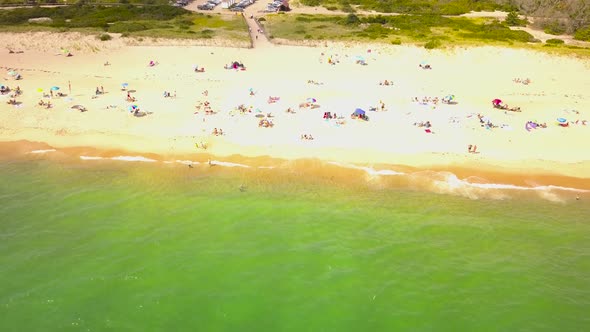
column 512, row 19
column 352, row 19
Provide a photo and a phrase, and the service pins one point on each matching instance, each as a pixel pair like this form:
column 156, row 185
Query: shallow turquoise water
column 141, row 247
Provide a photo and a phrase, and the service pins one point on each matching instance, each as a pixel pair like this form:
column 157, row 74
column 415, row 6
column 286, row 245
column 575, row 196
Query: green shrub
column 262, row 19
column 554, row 28
column 582, row 34
column 104, row 37
column 454, row 8
column 347, row 8
column 332, row 8
column 122, row 27
column 311, row 3
column 554, row 41
column 352, row 19
column 308, row 36
column 433, row 43
column 396, row 42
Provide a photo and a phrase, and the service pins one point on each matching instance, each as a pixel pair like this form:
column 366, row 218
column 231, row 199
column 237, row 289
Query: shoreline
column 390, row 141
column 473, row 181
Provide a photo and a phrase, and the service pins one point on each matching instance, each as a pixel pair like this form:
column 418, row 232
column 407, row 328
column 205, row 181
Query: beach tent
column 359, row 111
column 530, row 125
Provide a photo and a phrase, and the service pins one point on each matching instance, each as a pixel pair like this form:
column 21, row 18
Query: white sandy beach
column 560, row 88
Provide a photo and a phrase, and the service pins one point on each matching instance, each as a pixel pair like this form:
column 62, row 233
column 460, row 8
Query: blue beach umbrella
column 54, row 88
column 561, row 120
column 132, row 108
column 450, row 97
column 125, row 85
column 359, row 111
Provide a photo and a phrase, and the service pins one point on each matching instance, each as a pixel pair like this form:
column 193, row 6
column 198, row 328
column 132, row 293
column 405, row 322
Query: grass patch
column 430, row 29
column 148, row 21
column 445, row 7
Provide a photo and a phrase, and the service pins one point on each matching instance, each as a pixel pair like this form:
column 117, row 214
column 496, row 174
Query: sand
column 560, row 87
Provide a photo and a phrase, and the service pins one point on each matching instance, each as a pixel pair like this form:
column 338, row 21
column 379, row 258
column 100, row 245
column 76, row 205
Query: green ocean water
column 121, row 246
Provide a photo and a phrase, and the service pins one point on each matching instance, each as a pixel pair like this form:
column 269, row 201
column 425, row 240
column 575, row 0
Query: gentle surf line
column 42, row 151
column 451, row 179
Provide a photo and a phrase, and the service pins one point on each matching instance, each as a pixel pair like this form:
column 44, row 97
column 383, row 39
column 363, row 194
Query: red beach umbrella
column 497, row 101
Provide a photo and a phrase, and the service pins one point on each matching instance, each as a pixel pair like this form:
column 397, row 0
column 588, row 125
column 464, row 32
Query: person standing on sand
column 70, row 87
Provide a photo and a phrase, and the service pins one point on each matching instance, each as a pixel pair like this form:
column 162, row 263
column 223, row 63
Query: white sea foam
column 451, row 184
column 133, row 158
column 228, row 164
column 368, row 170
column 187, row 162
column 43, row 151
column 266, row 167
column 515, row 187
column 90, row 158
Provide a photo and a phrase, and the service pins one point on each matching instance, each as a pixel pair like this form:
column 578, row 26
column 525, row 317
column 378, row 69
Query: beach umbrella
column 12, row 73
column 561, row 120
column 54, row 88
column 311, row 100
column 125, row 85
column 133, row 107
column 359, row 111
column 450, row 97
column 39, row 90
column 497, row 101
